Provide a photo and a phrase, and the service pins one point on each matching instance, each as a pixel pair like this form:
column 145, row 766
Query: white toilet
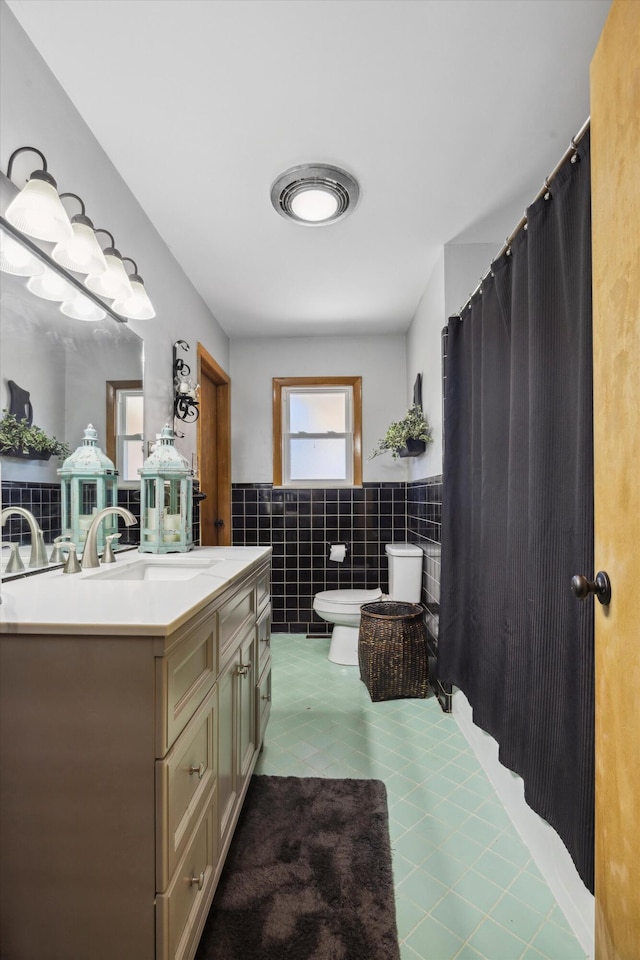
column 342, row 607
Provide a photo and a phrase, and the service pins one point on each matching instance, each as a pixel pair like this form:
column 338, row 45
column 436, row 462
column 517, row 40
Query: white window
column 317, row 428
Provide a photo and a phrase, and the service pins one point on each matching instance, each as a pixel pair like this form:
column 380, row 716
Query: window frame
column 279, row 384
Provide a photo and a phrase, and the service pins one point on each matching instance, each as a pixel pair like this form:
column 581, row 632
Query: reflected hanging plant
column 19, row 438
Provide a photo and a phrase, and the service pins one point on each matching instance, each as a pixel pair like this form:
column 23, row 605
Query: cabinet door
column 246, row 701
column 227, row 752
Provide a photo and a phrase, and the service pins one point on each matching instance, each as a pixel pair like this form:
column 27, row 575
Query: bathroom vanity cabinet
column 125, row 762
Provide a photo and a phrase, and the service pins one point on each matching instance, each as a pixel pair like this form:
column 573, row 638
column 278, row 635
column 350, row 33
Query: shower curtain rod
column 506, row 246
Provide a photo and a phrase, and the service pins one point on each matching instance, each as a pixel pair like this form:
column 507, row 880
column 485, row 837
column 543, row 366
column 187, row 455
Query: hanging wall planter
column 407, row 437
column 412, row 448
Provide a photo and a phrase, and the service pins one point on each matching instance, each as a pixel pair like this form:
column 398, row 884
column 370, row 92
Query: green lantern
column 166, row 499
column 89, row 483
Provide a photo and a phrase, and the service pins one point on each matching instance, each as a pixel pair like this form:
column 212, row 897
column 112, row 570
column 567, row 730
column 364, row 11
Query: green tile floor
column 466, row 886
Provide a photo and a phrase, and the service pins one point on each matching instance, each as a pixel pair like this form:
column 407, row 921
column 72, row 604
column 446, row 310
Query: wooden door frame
column 615, row 132
column 207, row 365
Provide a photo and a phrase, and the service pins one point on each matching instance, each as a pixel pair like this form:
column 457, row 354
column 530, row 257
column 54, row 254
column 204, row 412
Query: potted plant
column 407, row 437
column 19, row 438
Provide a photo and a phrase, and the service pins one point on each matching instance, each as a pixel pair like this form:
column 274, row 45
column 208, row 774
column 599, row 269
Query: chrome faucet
column 90, row 552
column 38, row 556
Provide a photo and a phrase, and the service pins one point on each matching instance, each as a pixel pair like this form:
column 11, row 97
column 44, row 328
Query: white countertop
column 83, row 603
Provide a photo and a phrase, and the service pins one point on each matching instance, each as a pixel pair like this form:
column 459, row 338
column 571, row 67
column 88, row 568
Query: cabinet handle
column 199, row 770
column 199, row 880
column 243, row 669
column 266, row 697
column 266, row 639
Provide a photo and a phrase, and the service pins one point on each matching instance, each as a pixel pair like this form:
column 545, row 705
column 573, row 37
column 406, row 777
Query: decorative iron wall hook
column 185, row 401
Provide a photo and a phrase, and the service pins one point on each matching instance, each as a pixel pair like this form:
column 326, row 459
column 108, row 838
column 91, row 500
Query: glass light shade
column 314, row 205
column 82, row 252
column 50, row 286
column 136, row 307
column 81, row 308
column 38, row 211
column 114, row 282
column 16, row 259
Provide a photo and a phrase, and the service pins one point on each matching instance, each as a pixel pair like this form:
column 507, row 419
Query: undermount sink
column 158, row 569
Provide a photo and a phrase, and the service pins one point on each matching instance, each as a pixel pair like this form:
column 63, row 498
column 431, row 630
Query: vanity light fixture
column 16, row 259
column 38, row 210
column 314, row 193
column 113, row 282
column 50, row 285
column 80, row 307
column 81, row 252
column 138, row 306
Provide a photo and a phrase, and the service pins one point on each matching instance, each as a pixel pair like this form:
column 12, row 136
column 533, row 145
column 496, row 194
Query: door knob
column 601, row 587
column 218, row 523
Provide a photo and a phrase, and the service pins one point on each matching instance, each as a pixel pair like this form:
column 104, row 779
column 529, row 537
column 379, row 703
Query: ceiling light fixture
column 38, row 210
column 314, row 193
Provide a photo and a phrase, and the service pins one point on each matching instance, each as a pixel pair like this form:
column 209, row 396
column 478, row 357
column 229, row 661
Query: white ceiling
column 449, row 113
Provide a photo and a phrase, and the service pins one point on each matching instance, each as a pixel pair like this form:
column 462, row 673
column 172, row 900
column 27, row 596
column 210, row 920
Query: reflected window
column 125, row 425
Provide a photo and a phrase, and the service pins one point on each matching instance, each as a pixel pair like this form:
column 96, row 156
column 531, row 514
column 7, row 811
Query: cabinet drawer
column 263, row 703
column 184, row 780
column 181, row 911
column 183, row 679
column 233, row 616
column 263, row 633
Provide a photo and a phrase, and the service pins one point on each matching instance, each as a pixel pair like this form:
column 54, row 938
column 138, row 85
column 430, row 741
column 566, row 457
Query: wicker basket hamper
column 392, row 650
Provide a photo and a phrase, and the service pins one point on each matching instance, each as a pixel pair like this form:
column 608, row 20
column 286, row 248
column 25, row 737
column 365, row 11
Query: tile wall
column 43, row 501
column 301, row 523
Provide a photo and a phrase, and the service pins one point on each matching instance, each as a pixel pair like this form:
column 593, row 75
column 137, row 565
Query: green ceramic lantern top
column 165, row 459
column 88, row 459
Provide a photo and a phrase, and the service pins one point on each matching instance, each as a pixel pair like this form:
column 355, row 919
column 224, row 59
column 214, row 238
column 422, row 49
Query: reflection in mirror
column 62, row 369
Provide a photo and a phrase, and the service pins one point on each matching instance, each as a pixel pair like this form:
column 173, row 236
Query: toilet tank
column 405, row 571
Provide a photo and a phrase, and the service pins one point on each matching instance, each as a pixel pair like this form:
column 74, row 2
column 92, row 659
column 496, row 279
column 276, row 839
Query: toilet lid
column 357, row 597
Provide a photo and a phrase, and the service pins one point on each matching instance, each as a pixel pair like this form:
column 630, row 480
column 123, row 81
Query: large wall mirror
column 71, row 372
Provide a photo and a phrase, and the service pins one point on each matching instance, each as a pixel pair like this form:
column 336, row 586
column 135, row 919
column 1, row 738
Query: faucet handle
column 57, row 554
column 14, row 563
column 72, row 564
column 108, row 556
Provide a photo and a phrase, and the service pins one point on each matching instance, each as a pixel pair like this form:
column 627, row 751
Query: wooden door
column 615, row 145
column 214, row 453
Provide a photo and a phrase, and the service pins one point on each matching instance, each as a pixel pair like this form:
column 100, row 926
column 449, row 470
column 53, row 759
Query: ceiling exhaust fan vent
column 314, row 193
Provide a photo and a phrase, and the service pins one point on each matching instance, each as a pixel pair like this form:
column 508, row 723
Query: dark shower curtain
column 518, row 509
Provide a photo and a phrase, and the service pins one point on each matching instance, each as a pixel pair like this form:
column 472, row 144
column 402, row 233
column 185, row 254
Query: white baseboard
column 544, row 844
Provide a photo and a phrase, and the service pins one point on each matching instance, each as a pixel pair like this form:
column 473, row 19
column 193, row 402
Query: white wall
column 423, row 356
column 35, row 110
column 380, row 361
column 456, row 273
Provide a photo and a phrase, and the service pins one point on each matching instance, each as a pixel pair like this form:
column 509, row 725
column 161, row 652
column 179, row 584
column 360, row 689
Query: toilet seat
column 340, row 601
